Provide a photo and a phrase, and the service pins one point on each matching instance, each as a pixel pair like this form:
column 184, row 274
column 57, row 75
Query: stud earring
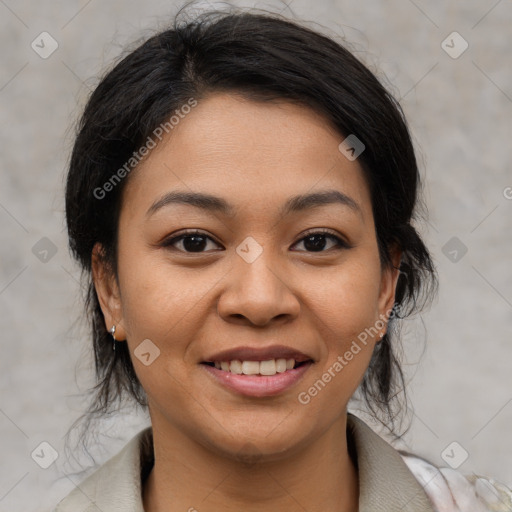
column 113, row 333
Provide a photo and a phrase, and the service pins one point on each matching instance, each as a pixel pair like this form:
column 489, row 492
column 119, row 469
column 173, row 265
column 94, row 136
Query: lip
column 259, row 354
column 258, row 385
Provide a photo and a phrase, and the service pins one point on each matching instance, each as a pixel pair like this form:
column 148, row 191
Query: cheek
column 346, row 309
column 156, row 296
column 160, row 304
column 165, row 304
column 347, row 300
column 347, row 316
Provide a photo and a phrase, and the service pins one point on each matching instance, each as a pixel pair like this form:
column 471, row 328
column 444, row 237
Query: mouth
column 258, row 372
column 265, row 368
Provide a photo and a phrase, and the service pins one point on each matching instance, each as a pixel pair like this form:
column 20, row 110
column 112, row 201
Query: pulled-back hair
column 263, row 57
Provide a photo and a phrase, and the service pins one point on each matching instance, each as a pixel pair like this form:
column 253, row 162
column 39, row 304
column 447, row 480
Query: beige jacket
column 388, row 481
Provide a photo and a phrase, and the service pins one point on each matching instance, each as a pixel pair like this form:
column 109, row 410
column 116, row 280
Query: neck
column 188, row 477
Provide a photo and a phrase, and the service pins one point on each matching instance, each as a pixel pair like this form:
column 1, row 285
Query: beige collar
column 385, row 482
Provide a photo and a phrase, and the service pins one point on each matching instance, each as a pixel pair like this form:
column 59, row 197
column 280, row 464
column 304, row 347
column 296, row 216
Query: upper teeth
column 270, row 367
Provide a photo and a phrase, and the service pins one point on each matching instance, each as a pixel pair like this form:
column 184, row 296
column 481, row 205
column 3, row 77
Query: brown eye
column 190, row 242
column 318, row 241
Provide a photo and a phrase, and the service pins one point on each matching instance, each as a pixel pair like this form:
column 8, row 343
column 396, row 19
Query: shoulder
column 115, row 485
column 451, row 491
column 388, row 473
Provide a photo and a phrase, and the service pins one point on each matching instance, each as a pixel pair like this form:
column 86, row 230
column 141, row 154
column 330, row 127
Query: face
column 262, row 276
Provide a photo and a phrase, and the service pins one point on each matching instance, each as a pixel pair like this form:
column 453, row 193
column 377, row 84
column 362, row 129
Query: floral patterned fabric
column 451, row 491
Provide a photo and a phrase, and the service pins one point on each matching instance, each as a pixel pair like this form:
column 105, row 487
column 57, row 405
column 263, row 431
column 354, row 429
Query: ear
column 107, row 289
column 388, row 282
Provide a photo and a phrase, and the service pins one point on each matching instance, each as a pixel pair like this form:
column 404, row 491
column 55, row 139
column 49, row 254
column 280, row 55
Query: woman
column 240, row 197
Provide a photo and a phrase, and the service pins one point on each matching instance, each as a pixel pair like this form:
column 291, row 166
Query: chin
column 252, row 444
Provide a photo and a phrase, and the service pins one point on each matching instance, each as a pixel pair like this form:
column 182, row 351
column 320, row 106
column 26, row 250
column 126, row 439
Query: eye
column 190, row 242
column 194, row 241
column 317, row 241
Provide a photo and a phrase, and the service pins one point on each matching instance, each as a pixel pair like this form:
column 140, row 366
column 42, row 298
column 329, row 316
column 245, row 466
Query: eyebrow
column 213, row 203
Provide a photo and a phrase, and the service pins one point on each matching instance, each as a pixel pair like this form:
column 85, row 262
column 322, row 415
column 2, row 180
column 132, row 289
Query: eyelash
column 340, row 243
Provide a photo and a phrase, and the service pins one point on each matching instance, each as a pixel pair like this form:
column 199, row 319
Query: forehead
column 253, row 154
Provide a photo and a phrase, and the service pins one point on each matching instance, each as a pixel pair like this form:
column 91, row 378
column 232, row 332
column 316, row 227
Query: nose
column 258, row 293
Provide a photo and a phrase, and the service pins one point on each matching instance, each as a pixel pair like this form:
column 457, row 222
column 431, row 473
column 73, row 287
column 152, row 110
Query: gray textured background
column 460, row 113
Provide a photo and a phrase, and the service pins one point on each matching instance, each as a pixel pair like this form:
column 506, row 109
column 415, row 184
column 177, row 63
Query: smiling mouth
column 262, row 368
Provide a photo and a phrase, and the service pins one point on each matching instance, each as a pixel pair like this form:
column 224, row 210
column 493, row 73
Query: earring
column 113, row 333
column 381, row 336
